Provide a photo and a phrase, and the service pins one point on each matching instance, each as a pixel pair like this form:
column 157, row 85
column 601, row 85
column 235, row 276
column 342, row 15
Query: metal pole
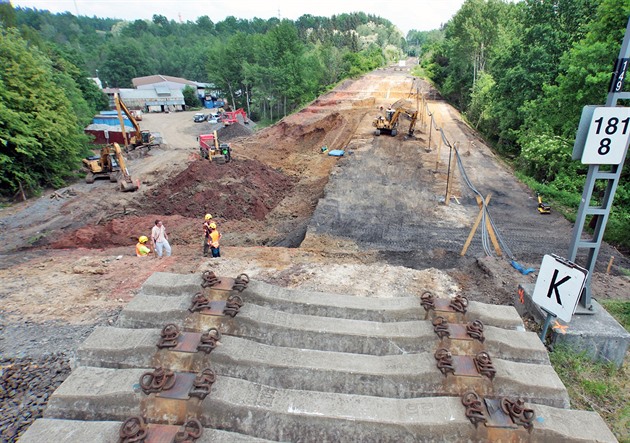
column 543, row 333
column 601, row 212
column 448, row 174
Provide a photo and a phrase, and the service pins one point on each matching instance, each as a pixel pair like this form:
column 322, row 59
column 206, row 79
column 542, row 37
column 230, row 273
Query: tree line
column 269, row 67
column 521, row 72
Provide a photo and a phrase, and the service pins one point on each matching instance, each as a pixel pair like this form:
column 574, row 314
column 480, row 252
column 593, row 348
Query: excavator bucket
column 127, row 185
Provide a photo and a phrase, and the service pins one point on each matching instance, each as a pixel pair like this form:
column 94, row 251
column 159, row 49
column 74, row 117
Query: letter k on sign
column 559, row 286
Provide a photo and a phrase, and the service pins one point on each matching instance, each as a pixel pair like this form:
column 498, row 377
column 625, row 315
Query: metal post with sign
column 558, row 288
column 602, row 140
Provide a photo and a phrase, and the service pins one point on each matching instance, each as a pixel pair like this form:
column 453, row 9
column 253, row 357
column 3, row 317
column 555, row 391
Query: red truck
column 211, row 149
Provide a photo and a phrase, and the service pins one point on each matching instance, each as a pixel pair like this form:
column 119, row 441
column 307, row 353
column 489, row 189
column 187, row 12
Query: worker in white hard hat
column 141, row 248
column 206, row 233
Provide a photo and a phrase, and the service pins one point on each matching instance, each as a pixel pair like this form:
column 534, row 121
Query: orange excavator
column 110, row 164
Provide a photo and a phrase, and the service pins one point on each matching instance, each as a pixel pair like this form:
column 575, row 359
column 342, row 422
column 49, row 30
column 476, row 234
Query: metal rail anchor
column 240, row 282
column 159, row 380
column 209, row 279
column 445, row 361
column 168, row 336
column 233, row 305
column 136, row 430
column 519, row 414
column 440, row 327
column 475, row 330
column 209, row 340
column 199, row 302
column 189, row 432
column 474, row 408
column 484, row 365
column 459, row 303
column 133, row 429
column 427, row 300
column 202, row 384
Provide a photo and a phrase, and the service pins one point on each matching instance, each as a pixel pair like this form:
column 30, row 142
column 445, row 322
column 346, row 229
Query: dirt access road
column 370, row 222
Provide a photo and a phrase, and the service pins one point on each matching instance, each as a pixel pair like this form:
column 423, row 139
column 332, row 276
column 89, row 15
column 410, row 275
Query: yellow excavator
column 139, row 138
column 110, row 164
column 388, row 124
column 543, row 208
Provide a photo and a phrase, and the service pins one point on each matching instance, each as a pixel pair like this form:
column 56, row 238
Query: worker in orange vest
column 206, row 233
column 141, row 249
column 215, row 236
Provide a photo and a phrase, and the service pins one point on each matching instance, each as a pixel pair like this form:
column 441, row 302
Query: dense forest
column 269, row 67
column 520, row 71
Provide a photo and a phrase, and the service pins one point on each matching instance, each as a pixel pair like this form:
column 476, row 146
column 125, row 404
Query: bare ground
column 289, row 214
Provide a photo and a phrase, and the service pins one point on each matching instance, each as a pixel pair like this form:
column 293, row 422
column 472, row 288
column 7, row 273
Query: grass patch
column 598, row 387
column 35, row 238
column 620, row 309
column 624, row 271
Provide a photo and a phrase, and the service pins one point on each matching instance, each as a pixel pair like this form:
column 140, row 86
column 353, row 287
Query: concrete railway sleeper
column 100, row 394
column 379, row 309
column 73, row 431
column 278, row 328
column 397, row 376
column 284, row 393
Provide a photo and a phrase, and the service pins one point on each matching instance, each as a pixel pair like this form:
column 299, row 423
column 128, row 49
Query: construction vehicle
column 388, row 124
column 140, row 138
column 211, row 149
column 230, row 117
column 543, row 207
column 110, row 164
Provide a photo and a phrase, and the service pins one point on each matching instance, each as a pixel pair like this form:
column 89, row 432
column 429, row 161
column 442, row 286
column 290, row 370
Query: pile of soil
column 241, row 189
column 234, row 130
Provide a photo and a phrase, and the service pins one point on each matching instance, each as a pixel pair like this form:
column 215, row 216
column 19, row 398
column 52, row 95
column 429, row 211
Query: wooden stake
column 610, row 262
column 493, row 237
column 474, row 228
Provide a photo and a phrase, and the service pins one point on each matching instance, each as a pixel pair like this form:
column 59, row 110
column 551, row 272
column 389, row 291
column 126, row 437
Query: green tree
column 41, row 142
column 190, row 97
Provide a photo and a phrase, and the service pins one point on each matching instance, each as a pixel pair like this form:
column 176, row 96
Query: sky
column 421, row 15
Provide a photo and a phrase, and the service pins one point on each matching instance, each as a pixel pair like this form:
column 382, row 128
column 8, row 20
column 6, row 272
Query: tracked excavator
column 388, row 124
column 139, row 138
column 110, row 164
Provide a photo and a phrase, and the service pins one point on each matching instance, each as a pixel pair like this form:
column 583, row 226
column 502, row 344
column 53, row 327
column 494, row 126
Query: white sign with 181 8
column 607, row 137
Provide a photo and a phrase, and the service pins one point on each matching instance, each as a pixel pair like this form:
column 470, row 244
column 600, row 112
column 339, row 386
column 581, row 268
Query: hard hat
column 208, row 216
column 143, row 239
column 213, row 225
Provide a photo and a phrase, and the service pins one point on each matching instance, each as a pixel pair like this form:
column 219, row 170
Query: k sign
column 559, row 286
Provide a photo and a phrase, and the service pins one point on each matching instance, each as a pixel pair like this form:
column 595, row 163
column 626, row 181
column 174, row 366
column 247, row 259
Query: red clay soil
column 242, row 189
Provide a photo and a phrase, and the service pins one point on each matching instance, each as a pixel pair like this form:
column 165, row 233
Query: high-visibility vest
column 214, row 238
column 142, row 250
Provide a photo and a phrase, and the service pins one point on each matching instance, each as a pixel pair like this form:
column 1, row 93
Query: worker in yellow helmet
column 206, row 233
column 215, row 236
column 141, row 249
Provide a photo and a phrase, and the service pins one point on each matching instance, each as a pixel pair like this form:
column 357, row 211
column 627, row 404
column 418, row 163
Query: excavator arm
column 122, row 108
column 125, row 181
column 389, row 123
